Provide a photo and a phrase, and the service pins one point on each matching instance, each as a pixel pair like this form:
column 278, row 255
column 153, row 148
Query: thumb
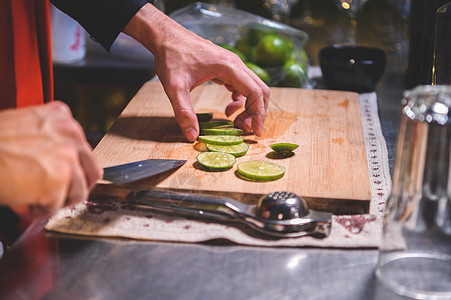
column 184, row 113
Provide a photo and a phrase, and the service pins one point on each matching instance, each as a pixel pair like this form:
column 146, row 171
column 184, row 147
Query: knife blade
column 126, row 173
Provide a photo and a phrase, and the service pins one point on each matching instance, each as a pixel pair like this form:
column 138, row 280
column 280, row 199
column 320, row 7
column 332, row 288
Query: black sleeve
column 102, row 19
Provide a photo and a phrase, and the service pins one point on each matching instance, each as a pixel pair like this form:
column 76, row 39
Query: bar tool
column 278, row 214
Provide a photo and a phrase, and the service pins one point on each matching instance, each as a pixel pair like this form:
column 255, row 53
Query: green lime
column 257, row 170
column 216, row 160
column 257, row 33
column 284, row 147
column 243, row 45
column 224, row 126
column 294, row 75
column 213, row 124
column 235, row 150
column 204, row 117
column 273, row 51
column 252, row 57
column 221, row 131
column 302, row 57
column 240, row 54
column 292, row 48
column 260, row 72
column 222, row 140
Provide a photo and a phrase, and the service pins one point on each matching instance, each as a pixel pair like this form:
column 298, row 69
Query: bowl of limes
column 274, row 51
column 274, row 56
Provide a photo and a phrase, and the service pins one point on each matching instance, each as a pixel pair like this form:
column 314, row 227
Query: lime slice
column 221, row 131
column 212, row 124
column 223, row 126
column 284, row 148
column 216, row 161
column 222, row 140
column 257, row 170
column 235, row 150
column 204, row 117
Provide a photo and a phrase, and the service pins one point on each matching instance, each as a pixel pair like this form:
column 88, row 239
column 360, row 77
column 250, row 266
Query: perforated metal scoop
column 278, row 214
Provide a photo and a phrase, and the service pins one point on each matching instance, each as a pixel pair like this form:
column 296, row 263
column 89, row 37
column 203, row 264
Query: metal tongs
column 278, row 214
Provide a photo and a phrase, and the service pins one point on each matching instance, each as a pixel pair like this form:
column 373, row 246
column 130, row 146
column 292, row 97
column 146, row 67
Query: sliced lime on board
column 204, row 117
column 216, row 161
column 222, row 140
column 221, row 131
column 223, row 126
column 284, row 148
column 212, row 124
column 256, row 170
column 235, row 150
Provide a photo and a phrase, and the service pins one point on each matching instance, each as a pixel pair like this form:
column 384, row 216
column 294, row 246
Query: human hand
column 183, row 61
column 45, row 161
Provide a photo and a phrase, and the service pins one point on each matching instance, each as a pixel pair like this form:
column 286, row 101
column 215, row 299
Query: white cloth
column 110, row 219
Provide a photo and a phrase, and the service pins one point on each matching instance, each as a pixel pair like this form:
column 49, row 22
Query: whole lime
column 294, row 75
column 257, row 33
column 234, row 50
column 292, row 49
column 243, row 45
column 302, row 57
column 260, row 72
column 273, row 51
column 252, row 57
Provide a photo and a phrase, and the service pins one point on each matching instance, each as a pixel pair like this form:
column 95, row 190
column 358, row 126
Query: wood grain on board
column 329, row 169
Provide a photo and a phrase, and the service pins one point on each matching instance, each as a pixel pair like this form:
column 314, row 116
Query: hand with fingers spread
column 45, row 161
column 183, row 61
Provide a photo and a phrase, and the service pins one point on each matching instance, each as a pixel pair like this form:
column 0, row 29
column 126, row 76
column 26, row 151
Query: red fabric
column 25, row 53
column 26, row 79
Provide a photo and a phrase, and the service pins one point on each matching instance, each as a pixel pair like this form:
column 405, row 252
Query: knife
column 126, row 173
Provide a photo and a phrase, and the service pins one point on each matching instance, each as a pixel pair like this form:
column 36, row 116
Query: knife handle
column 189, row 204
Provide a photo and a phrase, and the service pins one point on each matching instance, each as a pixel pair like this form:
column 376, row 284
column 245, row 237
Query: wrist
column 150, row 27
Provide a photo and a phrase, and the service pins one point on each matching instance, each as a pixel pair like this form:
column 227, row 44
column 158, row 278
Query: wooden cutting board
column 329, row 169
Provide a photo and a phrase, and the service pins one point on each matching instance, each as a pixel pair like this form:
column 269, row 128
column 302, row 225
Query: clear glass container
column 415, row 255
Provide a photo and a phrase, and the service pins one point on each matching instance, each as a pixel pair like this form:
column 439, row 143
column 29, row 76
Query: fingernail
column 190, row 134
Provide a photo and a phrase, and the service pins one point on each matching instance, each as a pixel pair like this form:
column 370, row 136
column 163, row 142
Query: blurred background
column 97, row 85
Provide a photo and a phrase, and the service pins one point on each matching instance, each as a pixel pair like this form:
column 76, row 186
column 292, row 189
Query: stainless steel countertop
column 101, row 269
